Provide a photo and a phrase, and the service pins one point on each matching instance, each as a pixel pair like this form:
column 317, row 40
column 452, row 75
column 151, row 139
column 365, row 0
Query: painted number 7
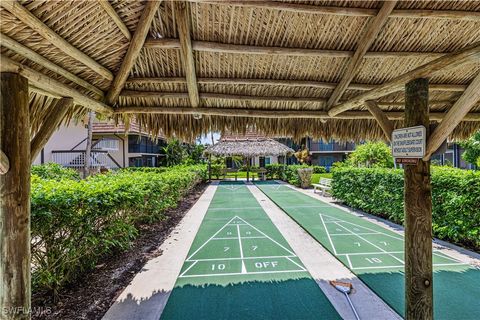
column 254, row 248
column 225, row 249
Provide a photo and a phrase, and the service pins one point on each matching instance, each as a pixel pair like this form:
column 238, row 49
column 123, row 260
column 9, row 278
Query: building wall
column 65, row 138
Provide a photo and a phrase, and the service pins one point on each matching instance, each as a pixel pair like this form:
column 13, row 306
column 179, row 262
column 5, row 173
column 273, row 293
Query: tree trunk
column 418, row 213
column 15, row 291
column 88, row 148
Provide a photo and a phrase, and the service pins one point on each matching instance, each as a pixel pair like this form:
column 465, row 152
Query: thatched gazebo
column 329, row 69
column 249, row 148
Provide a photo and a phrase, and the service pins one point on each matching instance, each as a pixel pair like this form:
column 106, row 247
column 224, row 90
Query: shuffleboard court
column 376, row 254
column 240, row 267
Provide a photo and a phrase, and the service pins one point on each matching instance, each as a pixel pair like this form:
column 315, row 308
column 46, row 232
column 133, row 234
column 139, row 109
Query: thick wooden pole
column 15, row 199
column 418, row 213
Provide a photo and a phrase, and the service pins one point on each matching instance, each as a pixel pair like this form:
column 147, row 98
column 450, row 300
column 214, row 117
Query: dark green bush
column 455, row 197
column 54, row 171
column 319, row 169
column 75, row 223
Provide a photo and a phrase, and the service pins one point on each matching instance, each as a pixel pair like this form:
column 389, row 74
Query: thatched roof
column 249, row 148
column 284, row 67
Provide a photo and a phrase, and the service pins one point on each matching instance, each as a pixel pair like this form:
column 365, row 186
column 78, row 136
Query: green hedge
column 455, row 197
column 76, row 222
column 54, row 171
column 289, row 173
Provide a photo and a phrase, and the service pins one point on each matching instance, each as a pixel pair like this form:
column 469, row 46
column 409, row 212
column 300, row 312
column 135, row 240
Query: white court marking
column 231, row 187
column 325, row 219
column 236, row 222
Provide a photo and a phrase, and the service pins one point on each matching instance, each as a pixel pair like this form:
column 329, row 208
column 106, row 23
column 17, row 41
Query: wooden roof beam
column 133, row 51
column 183, row 26
column 17, row 47
column 223, row 96
column 21, row 13
column 369, row 35
column 274, row 113
column 210, row 46
column 381, row 117
column 281, row 82
column 115, row 17
column 352, row 12
column 447, row 61
column 454, row 116
column 43, row 82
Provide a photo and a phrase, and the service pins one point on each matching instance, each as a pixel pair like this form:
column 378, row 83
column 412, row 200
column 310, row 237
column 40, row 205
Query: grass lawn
column 316, row 176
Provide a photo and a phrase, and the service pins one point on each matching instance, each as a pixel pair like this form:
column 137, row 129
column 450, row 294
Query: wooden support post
column 418, row 213
column 456, row 114
column 51, row 123
column 381, row 117
column 15, row 289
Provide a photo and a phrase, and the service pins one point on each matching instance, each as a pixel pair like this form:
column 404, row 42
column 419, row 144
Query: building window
column 261, row 161
column 140, row 144
column 229, row 162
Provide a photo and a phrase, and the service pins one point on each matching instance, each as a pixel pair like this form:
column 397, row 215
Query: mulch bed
column 95, row 292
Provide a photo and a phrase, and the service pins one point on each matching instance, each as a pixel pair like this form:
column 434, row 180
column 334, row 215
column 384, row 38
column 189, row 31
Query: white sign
column 409, row 142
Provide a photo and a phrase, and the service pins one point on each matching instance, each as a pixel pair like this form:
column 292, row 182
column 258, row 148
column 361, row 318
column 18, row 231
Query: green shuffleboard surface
column 240, row 267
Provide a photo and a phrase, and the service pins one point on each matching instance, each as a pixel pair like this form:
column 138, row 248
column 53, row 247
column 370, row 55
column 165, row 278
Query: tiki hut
column 349, row 70
column 248, row 147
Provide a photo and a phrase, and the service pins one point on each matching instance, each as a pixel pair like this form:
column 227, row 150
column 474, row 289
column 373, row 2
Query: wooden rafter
column 210, row 46
column 183, row 26
column 4, row 163
column 372, row 31
column 450, row 60
column 51, row 123
column 222, row 96
column 16, row 47
column 353, row 12
column 456, row 114
column 381, row 117
column 286, row 83
column 133, row 51
column 115, row 17
column 45, row 83
column 274, row 113
column 36, row 24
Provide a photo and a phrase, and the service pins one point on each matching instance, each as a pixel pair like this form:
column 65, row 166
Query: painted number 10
column 373, row 260
column 220, row 266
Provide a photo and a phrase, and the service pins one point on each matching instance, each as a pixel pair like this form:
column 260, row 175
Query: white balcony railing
column 76, row 159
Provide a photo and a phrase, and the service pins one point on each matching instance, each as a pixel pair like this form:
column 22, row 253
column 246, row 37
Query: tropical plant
column 472, row 149
column 371, row 155
column 175, row 153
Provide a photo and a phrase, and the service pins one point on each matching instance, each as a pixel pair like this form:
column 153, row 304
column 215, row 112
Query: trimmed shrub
column 75, row 223
column 455, row 197
column 319, row 169
column 54, row 171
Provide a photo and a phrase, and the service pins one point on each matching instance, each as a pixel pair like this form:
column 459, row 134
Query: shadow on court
column 286, row 299
column 456, row 293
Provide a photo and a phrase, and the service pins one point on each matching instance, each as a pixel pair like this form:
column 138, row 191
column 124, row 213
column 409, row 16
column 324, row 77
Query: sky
column 207, row 139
